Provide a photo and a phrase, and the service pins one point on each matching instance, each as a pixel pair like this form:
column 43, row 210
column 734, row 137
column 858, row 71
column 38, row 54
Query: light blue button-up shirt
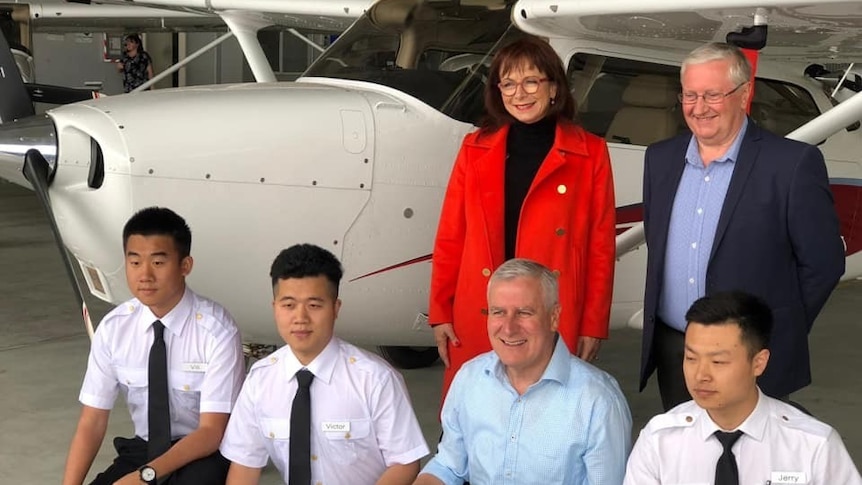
column 571, row 427
column 693, row 222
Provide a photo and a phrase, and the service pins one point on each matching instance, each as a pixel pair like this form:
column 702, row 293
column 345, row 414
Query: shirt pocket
column 276, row 432
column 134, row 382
column 276, row 429
column 185, row 390
column 347, row 446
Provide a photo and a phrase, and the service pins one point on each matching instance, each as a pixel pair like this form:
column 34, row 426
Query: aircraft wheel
column 409, row 357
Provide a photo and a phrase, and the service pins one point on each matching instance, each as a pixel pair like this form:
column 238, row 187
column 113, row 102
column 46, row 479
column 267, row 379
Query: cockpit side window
column 781, row 107
column 635, row 102
column 626, row 101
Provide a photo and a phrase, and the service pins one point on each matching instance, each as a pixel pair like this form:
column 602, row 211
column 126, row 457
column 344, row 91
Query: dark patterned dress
column 135, row 70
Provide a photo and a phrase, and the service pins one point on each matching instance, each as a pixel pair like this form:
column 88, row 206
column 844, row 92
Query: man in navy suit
column 731, row 206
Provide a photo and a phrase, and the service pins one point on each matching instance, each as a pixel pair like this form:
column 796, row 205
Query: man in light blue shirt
column 529, row 412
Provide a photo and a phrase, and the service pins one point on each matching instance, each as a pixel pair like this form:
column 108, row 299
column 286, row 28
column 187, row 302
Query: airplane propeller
column 36, row 171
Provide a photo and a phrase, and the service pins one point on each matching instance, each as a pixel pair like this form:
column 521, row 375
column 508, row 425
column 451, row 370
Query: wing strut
column 751, row 40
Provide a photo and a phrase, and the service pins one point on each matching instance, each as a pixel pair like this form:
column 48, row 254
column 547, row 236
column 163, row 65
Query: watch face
column 148, row 474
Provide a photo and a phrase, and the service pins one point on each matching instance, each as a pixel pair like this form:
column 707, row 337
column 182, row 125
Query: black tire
column 409, row 357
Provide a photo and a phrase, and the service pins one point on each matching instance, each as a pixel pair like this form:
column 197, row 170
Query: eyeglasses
column 708, row 98
column 530, row 85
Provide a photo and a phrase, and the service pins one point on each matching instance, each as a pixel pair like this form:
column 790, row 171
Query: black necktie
column 158, row 411
column 726, row 472
column 300, row 431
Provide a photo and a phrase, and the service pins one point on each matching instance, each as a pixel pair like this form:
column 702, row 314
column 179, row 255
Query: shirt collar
column 321, row 366
column 692, row 155
column 753, row 426
column 558, row 368
column 175, row 320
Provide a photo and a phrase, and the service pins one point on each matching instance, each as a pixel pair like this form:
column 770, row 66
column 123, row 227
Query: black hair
column 749, row 312
column 304, row 261
column 134, row 38
column 160, row 221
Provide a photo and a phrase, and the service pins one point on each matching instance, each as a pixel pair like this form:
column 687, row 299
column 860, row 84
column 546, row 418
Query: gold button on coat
column 486, row 272
column 561, row 189
column 560, row 231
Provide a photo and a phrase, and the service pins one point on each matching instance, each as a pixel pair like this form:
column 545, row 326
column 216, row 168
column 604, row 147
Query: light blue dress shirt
column 571, row 427
column 691, row 233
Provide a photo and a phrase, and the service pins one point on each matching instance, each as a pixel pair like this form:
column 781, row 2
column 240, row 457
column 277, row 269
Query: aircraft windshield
column 438, row 52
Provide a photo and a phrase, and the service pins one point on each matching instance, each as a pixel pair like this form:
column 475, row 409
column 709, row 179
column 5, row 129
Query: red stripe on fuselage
column 848, row 205
column 402, row 264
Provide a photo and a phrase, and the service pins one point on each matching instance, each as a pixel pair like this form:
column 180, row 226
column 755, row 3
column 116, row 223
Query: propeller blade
column 36, row 170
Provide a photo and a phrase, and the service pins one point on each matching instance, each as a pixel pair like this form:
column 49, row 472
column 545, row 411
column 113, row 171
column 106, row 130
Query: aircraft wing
column 804, row 31
column 323, row 15
column 66, row 17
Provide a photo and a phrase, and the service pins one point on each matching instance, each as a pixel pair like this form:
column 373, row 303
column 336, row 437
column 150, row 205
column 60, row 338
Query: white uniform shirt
column 205, row 361
column 779, row 445
column 361, row 418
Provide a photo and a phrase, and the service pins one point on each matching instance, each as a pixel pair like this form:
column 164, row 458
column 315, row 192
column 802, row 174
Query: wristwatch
column 148, row 475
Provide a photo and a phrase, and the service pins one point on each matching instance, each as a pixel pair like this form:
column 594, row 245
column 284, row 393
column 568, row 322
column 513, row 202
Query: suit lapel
column 748, row 152
column 664, row 193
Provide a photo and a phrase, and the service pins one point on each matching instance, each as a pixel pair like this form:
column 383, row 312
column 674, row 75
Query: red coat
column 567, row 223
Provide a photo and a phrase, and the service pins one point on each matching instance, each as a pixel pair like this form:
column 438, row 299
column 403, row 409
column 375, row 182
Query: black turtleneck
column 527, row 145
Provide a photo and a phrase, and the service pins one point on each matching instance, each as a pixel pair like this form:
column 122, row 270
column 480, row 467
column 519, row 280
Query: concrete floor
column 43, row 352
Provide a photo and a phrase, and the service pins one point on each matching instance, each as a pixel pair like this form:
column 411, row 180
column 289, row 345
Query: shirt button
column 486, row 272
column 271, row 434
column 186, row 387
column 694, row 245
column 700, row 211
column 198, row 316
column 688, row 419
column 352, row 360
column 691, row 281
column 706, row 178
column 313, row 457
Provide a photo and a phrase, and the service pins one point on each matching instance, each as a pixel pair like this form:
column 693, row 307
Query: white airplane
column 355, row 156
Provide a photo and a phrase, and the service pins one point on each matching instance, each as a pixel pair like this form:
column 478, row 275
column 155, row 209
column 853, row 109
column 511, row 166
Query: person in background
column 135, row 64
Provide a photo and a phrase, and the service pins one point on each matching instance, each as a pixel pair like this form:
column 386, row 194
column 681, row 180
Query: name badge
column 777, row 478
column 195, row 366
column 342, row 426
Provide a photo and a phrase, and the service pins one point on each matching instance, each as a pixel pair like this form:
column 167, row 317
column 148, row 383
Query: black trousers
column 668, row 353
column 132, row 454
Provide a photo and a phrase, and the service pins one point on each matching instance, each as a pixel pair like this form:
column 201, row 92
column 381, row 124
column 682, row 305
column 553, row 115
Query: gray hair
column 525, row 268
column 740, row 69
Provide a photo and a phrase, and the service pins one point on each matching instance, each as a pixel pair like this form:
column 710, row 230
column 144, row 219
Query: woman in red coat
column 530, row 183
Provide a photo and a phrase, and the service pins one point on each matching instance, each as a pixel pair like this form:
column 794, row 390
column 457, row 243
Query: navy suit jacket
column 778, row 237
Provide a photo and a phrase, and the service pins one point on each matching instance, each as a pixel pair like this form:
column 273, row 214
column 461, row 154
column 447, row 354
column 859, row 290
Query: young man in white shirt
column 732, row 433
column 199, row 368
column 361, row 430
